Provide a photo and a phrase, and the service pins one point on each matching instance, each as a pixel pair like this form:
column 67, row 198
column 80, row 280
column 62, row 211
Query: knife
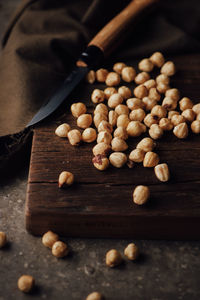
column 99, row 47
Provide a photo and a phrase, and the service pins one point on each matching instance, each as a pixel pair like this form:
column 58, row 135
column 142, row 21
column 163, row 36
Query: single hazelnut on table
column 109, row 91
column 128, row 74
column 154, row 94
column 137, row 155
column 62, row 130
column 115, row 100
column 146, row 65
column 124, row 91
column 89, row 135
column 3, row 239
column 98, row 117
column 195, row 126
column 159, row 111
column 105, row 126
column 146, row 144
column 112, row 118
column 168, row 68
column 65, row 179
column 140, row 91
column 166, row 124
column 113, row 258
column 26, row 283
column 118, row 67
column 74, row 137
column 121, row 133
column 135, row 128
column 148, row 103
column 101, row 108
column 151, row 119
column 112, row 79
column 157, row 59
column 131, row 251
column 122, row 109
column 123, row 120
column 189, row 115
column 169, row 103
column 134, row 103
column 101, row 75
column 162, row 78
column 100, row 162
column 151, row 159
column 142, row 77
column 155, row 131
column 94, row 296
column 91, row 76
column 49, row 238
column 162, row 172
column 84, row 121
column 196, row 108
column 151, row 83
column 185, row 103
column 101, row 148
column 104, row 137
column 78, row 109
column 119, row 145
column 173, row 93
column 141, row 194
column 181, row 131
column 137, row 115
column 97, row 96
column 118, row 159
column 60, row 249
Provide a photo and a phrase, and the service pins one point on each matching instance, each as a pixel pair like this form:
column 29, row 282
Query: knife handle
column 110, row 36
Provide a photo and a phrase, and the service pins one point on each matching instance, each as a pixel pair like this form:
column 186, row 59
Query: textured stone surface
column 165, row 270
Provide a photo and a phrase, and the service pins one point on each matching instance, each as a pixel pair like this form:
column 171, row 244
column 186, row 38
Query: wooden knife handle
column 110, row 34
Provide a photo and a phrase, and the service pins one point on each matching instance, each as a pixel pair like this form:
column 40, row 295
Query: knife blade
column 101, row 45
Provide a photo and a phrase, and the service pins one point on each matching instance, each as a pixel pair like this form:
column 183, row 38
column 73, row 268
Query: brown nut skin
column 112, row 79
column 3, row 239
column 113, row 258
column 65, row 179
column 100, row 162
column 105, row 126
column 26, row 283
column 181, row 131
column 169, row 103
column 141, row 194
column 151, row 159
column 78, row 109
column 128, row 74
column 195, row 126
column 97, row 96
column 49, row 238
column 151, row 119
column 60, row 249
column 131, row 251
column 74, row 137
column 94, row 296
column 159, row 111
column 162, row 172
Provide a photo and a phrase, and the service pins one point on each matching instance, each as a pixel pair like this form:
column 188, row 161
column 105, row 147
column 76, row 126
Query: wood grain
column 99, row 204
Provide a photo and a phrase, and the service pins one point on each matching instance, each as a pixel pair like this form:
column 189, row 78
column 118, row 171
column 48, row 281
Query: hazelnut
column 122, row 109
column 157, row 59
column 185, row 103
column 104, row 137
column 162, row 172
column 189, row 115
column 105, row 126
column 60, row 249
column 26, row 283
column 74, row 137
column 119, row 144
column 98, row 117
column 101, row 148
column 142, row 77
column 196, row 108
column 112, row 79
column 3, row 239
column 124, row 91
column 101, row 109
column 118, row 67
column 151, row 83
column 173, row 93
column 49, row 238
column 78, row 109
column 101, row 75
column 150, row 119
column 172, row 113
column 94, row 296
column 121, row 133
column 159, row 111
column 91, row 76
column 162, row 78
column 89, row 135
column 149, row 103
column 162, row 88
column 137, row 155
column 140, row 91
column 181, row 131
column 134, row 103
column 165, row 124
column 112, row 117
column 100, row 162
column 151, row 159
column 97, row 96
column 113, row 258
column 118, row 159
column 123, row 120
column 135, row 128
column 146, row 144
column 198, row 117
column 65, row 179
column 84, row 121
column 177, row 119
column 169, row 103
column 195, row 126
column 153, row 94
column 137, row 115
column 109, row 91
column 141, row 194
column 62, row 130
column 145, row 65
column 115, row 100
column 131, row 251
column 128, row 74
column 168, row 68
column 155, row 131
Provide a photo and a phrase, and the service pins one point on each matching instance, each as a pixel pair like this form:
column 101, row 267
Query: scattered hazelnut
column 151, row 83
column 145, row 65
column 195, row 126
column 157, row 59
column 26, row 283
column 112, row 79
column 89, row 135
column 104, row 137
column 121, row 133
column 173, row 93
column 168, row 68
column 101, row 75
column 155, row 131
column 60, row 249
column 113, row 258
column 101, row 148
column 65, row 179
column 78, row 109
column 137, row 115
column 198, row 117
column 128, row 74
column 137, row 155
column 169, row 103
column 90, row 78
column 135, row 128
column 140, row 91
column 165, row 124
column 112, row 117
column 134, row 103
column 109, row 91
column 118, row 67
column 124, row 91
column 177, row 119
column 159, row 111
column 101, row 109
column 196, row 108
column 98, row 117
column 141, row 194
column 105, row 126
column 162, row 172
column 74, row 137
column 123, row 120
column 146, row 144
column 189, row 115
column 119, row 144
column 97, row 96
column 100, row 162
column 142, row 77
column 185, row 103
column 118, row 159
column 172, row 113
column 153, row 94
column 150, row 119
column 131, row 251
column 49, row 238
column 94, row 296
column 162, row 88
column 62, row 130
column 115, row 100
column 122, row 109
column 162, row 78
column 151, row 159
column 84, row 121
column 181, row 131
column 149, row 103
column 3, row 239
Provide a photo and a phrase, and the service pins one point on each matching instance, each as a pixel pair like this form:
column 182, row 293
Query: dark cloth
column 45, row 37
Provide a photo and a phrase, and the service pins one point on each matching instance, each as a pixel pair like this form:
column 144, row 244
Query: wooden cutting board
column 100, row 204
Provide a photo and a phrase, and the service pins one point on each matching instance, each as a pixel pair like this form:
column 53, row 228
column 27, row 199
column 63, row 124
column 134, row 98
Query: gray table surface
column 166, row 269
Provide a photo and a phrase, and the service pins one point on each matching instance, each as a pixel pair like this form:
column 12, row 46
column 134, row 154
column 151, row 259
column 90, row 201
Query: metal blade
column 65, row 89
